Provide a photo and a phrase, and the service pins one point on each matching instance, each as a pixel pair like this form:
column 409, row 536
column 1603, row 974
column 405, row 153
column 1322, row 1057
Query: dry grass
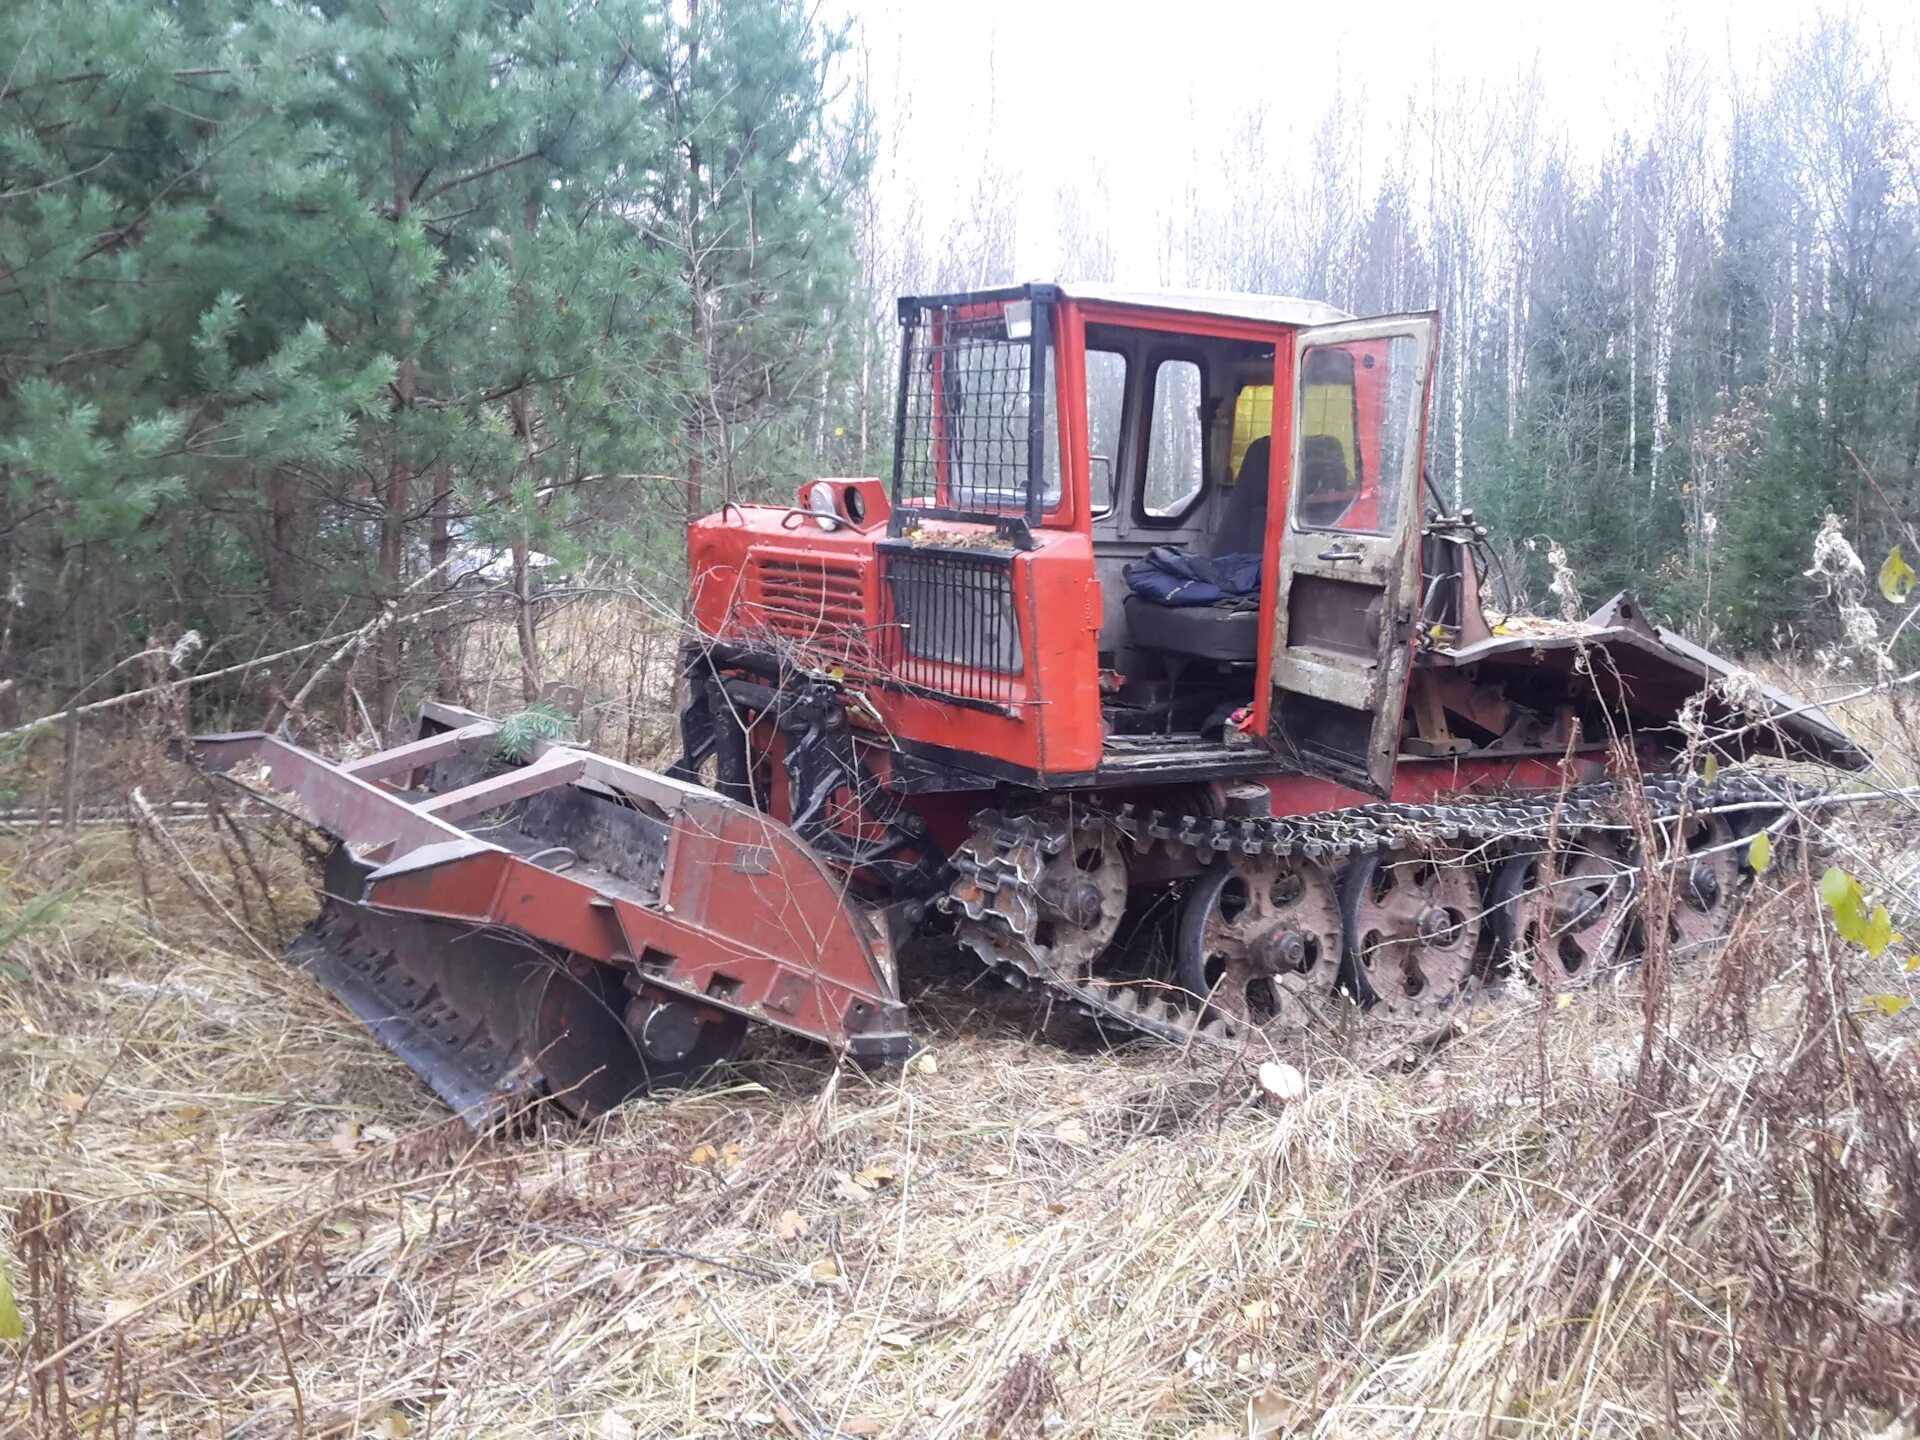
column 621, row 647
column 1686, row 1204
column 231, row 1213
column 1885, row 722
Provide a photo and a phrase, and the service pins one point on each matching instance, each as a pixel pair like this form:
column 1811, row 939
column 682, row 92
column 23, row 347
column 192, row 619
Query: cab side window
column 1176, row 441
column 1106, row 400
column 1358, row 401
column 1329, row 480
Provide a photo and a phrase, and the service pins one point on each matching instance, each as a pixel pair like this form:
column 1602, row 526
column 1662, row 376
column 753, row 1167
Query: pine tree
column 302, row 306
column 756, row 212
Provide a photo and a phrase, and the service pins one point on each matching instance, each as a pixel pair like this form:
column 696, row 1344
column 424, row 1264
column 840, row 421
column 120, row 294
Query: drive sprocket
column 1082, row 892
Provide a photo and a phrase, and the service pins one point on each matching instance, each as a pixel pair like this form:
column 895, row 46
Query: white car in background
column 492, row 565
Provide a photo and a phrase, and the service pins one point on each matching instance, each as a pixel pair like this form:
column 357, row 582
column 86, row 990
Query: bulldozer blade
column 471, row 1071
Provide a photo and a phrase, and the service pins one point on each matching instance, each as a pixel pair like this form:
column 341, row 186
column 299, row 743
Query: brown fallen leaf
column 1072, row 1131
column 824, row 1270
column 790, row 1226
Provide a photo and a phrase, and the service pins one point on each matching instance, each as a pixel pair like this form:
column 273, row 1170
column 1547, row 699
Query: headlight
column 820, row 502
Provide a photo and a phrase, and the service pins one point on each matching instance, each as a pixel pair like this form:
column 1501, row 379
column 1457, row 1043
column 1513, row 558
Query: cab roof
column 1231, row 304
column 1228, row 304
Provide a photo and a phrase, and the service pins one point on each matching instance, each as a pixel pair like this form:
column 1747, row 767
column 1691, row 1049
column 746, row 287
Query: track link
column 998, row 897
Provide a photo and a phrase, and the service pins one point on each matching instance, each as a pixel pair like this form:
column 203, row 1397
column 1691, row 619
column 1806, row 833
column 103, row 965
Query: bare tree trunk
column 524, row 620
column 281, row 521
column 1664, row 300
column 695, row 484
column 399, row 493
column 10, row 591
column 1633, row 332
column 439, row 549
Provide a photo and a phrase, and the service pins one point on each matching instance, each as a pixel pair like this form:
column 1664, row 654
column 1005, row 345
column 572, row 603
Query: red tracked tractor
column 1156, row 617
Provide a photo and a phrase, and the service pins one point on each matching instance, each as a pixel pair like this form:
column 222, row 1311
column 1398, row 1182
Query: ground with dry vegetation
column 1688, row 1203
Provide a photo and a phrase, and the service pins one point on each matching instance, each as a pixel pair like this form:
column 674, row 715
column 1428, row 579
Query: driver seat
column 1225, row 632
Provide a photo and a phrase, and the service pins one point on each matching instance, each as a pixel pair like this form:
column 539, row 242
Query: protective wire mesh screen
column 967, row 409
column 954, row 629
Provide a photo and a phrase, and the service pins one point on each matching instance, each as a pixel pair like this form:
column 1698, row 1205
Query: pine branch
column 480, row 174
column 86, row 76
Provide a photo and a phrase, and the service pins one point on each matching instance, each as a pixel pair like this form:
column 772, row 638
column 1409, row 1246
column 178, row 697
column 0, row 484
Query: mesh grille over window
column 970, row 410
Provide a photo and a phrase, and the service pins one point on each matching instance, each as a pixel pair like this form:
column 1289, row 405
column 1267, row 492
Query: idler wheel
column 1412, row 927
column 1259, row 940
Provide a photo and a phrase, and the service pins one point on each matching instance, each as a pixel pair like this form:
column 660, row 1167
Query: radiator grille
column 952, row 626
column 817, row 605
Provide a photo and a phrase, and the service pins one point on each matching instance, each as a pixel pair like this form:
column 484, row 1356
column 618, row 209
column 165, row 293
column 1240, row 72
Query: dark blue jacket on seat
column 1168, row 576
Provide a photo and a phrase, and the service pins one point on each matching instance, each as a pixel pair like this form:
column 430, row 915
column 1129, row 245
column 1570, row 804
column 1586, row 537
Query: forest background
column 311, row 316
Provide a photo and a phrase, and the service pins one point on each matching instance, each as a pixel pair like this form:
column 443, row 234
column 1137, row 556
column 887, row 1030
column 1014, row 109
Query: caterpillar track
column 1546, row 885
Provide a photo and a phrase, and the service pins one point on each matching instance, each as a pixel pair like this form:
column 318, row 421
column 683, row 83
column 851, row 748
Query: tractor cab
column 1245, row 470
column 1128, row 538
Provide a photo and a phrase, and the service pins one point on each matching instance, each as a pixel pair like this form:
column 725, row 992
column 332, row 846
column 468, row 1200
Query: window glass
column 1174, row 440
column 1106, row 396
column 1252, row 419
column 1356, row 405
column 964, row 424
column 1050, row 457
column 966, row 416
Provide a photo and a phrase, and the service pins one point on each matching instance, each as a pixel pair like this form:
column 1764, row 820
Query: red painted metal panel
column 748, row 918
column 418, row 754
column 1420, row 781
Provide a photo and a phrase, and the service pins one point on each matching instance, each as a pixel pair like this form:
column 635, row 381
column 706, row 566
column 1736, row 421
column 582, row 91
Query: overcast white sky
column 1051, row 87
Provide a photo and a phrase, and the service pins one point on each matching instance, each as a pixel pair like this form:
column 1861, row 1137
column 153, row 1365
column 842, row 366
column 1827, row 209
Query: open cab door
column 1349, row 549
